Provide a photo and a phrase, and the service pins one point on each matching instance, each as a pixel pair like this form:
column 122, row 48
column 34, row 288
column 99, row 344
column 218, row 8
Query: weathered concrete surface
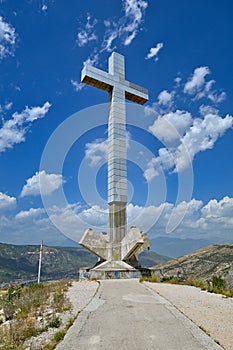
column 96, row 243
column 110, row 248
column 134, row 243
column 126, row 315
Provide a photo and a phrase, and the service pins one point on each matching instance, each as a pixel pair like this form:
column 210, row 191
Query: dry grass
column 29, row 311
column 216, row 285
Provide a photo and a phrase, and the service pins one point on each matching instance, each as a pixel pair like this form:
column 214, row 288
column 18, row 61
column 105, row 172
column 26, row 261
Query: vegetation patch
column 26, row 312
column 216, row 284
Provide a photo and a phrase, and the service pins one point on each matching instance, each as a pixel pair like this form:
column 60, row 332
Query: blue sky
column 53, row 128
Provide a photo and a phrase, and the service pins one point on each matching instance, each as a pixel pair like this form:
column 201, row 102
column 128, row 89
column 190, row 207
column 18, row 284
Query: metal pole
column 40, row 259
column 40, row 253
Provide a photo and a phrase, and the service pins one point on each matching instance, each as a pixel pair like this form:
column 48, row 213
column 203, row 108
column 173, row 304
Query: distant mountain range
column 204, row 263
column 17, row 264
column 175, row 247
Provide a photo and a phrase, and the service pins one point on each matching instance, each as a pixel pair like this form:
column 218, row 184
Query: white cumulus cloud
column 171, row 126
column 153, row 168
column 13, row 131
column 6, row 202
column 212, row 220
column 198, row 85
column 42, row 183
column 210, row 93
column 31, row 213
column 154, row 52
column 184, row 135
column 96, row 151
column 95, row 216
column 207, row 109
column 201, row 136
column 197, row 80
column 7, row 39
column 215, row 209
column 165, row 98
column 192, row 135
column 30, row 114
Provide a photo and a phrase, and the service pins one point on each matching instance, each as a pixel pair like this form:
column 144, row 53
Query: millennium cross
column 119, row 89
column 40, row 253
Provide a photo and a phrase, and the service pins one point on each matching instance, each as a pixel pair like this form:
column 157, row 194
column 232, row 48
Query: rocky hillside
column 203, row 263
column 17, row 264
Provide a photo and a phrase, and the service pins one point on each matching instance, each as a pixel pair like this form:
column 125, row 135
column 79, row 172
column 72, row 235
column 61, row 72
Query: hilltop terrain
column 203, row 263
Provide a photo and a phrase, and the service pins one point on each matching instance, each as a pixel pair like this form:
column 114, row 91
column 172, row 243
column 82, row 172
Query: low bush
column 58, row 336
column 55, row 322
column 218, row 283
column 70, row 323
column 152, row 279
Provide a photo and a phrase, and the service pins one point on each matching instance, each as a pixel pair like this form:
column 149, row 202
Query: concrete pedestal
column 110, row 269
column 116, row 260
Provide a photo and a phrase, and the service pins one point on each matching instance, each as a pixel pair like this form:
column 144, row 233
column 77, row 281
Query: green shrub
column 29, row 331
column 228, row 293
column 58, row 336
column 55, row 322
column 196, row 282
column 143, row 279
column 70, row 322
column 166, row 279
column 154, row 279
column 201, row 284
column 9, row 309
column 218, row 283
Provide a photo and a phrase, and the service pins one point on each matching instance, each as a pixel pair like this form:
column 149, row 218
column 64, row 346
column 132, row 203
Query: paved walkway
column 126, row 315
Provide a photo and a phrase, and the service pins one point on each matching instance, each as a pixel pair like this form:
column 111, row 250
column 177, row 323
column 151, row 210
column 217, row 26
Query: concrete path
column 126, row 315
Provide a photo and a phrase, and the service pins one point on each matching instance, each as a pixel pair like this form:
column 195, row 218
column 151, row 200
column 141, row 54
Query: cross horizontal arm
column 97, row 78
column 106, row 81
column 38, row 252
column 135, row 93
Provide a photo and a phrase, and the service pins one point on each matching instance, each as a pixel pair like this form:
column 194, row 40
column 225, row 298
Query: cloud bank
column 213, row 220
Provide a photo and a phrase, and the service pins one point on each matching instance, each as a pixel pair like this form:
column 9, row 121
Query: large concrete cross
column 119, row 89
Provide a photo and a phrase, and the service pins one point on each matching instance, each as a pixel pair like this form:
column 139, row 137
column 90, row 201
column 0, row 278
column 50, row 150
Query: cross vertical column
column 117, row 171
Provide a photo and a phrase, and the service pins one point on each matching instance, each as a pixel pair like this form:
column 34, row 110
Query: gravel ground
column 80, row 294
column 212, row 312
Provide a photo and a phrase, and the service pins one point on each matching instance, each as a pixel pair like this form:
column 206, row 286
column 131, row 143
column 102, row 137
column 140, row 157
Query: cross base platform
column 113, row 270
